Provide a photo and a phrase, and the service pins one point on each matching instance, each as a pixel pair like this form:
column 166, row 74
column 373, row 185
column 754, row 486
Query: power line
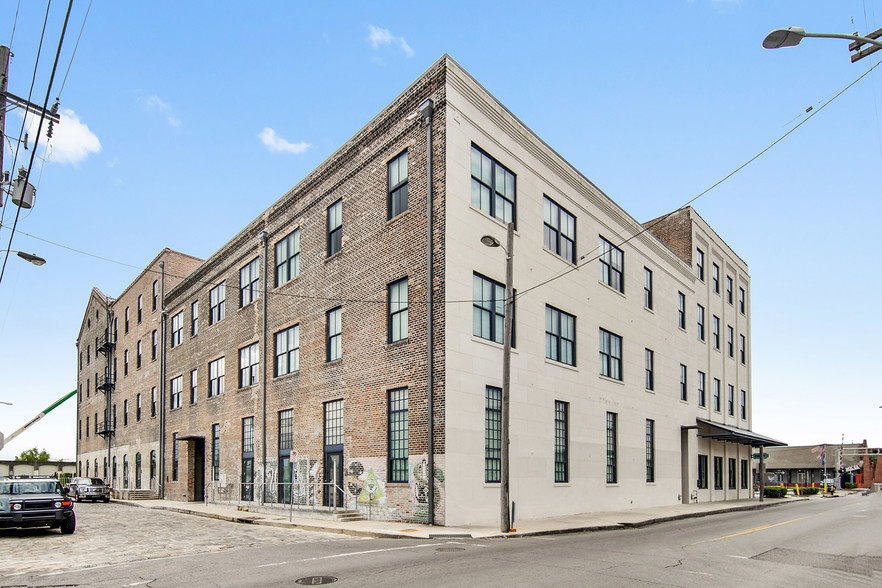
column 64, row 81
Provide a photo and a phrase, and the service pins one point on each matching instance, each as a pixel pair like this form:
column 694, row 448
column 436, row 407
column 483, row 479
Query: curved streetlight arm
column 790, row 37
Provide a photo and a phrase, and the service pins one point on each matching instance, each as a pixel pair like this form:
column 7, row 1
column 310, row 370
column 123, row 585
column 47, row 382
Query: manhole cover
column 316, row 580
column 449, row 549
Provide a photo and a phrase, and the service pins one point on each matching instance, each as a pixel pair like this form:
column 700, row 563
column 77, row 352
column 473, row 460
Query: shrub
column 774, row 492
column 849, row 485
column 807, row 491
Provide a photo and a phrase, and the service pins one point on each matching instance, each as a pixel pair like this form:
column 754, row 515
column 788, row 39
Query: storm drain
column 449, row 549
column 315, row 580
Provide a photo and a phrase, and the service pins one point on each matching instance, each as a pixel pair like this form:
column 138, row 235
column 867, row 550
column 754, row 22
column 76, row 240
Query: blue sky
column 183, row 123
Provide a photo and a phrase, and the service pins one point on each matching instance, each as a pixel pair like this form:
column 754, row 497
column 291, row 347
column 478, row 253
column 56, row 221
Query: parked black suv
column 36, row 502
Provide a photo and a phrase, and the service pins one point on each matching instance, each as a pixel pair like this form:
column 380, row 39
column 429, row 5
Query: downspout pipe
column 262, row 345
column 162, row 368
column 427, row 108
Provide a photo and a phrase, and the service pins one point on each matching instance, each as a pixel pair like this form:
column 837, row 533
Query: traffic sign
column 756, row 456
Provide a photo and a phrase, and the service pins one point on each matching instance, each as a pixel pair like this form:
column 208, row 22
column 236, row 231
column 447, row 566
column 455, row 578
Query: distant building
column 812, row 464
column 302, row 352
column 56, row 469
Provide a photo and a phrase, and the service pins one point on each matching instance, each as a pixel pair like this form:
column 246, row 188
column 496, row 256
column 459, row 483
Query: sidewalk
column 598, row 521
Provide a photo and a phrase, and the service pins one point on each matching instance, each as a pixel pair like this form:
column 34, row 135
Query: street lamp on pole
column 791, row 36
column 29, row 257
column 504, row 512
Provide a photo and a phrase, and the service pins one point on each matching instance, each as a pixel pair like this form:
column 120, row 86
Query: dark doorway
column 333, row 479
column 199, row 470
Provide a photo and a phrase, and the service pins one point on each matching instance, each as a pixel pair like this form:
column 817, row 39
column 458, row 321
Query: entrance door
column 199, row 470
column 333, row 479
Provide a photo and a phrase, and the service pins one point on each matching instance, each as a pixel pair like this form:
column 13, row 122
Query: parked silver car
column 93, row 489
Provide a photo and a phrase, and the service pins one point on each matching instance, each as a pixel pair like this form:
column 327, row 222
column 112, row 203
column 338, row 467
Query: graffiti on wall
column 364, row 486
column 419, row 487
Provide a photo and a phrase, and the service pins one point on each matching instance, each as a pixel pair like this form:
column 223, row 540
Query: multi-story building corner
column 119, row 352
column 304, row 355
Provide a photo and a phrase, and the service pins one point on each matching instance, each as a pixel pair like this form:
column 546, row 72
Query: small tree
column 33, row 454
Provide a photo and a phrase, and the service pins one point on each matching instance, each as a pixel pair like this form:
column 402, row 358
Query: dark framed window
column 647, row 288
column 702, row 472
column 153, row 345
column 610, row 355
column 174, row 459
column 716, row 332
column 684, row 392
column 249, row 282
column 729, row 289
column 194, row 318
column 138, row 355
column 742, row 300
column 681, row 310
column 700, row 322
column 194, row 386
column 126, row 321
column 286, row 444
column 397, row 192
column 730, row 400
column 177, row 329
column 153, row 401
column 561, row 441
column 612, row 265
column 397, row 319
column 335, row 227
column 611, row 448
column 716, row 395
column 718, row 473
column 126, row 413
column 650, row 450
column 216, row 370
column 140, row 307
column 334, row 334
column 649, row 357
column 288, row 258
column 744, row 474
column 560, row 336
column 489, row 310
column 249, row 365
column 287, row 356
column 733, row 473
column 730, row 341
column 177, row 386
column 702, row 398
column 216, row 303
column 334, row 423
column 138, row 408
column 398, row 450
column 215, row 452
column 743, row 405
column 559, row 232
column 125, row 362
column 493, row 187
column 715, row 277
column 742, row 349
column 248, row 458
column 493, row 434
column 155, row 294
column 699, row 264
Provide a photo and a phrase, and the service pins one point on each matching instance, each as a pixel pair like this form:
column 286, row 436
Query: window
column 493, row 435
column 194, row 386
column 153, row 345
column 699, row 263
column 126, row 363
column 650, row 450
column 249, row 364
column 174, row 457
column 397, row 185
column 249, row 282
column 177, row 385
column 730, row 400
column 729, row 289
column 216, row 303
column 744, row 474
column 215, row 452
column 561, row 441
column 286, row 444
column 153, row 401
column 610, row 355
column 681, row 311
column 334, row 423
column 733, row 473
column 743, row 405
column 248, row 458
column 125, row 413
column 489, row 310
column 287, row 358
column 398, row 431
column 684, row 394
column 335, row 228
column 194, row 318
column 730, row 341
column 742, row 349
column 138, row 355
column 700, row 322
column 493, row 187
column 216, row 377
column 125, row 470
column 126, row 322
column 288, row 258
column 138, row 407
column 647, row 288
column 560, row 230
column 650, row 368
column 611, row 451
column 560, row 336
column 612, row 265
column 398, row 311
column 155, row 294
column 87, row 428
column 718, row 473
column 334, row 334
column 716, row 332
column 716, row 394
column 742, row 301
column 702, row 400
column 715, row 277
column 140, row 307
column 177, row 329
column 702, row 472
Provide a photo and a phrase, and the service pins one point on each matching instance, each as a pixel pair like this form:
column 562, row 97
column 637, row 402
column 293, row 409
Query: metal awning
column 721, row 432
column 192, row 438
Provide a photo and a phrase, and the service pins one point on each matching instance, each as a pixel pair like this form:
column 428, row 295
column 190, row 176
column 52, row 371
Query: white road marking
column 372, row 551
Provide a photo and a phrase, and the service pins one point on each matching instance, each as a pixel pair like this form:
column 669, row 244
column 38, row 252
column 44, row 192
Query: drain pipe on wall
column 162, row 359
column 263, row 345
column 427, row 108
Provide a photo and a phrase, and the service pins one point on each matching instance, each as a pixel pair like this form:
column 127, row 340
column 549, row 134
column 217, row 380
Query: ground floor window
column 248, row 458
column 718, row 473
column 702, row 472
column 493, row 435
column 561, row 441
column 733, row 473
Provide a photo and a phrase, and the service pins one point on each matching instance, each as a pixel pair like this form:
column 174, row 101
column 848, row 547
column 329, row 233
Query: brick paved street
column 117, row 533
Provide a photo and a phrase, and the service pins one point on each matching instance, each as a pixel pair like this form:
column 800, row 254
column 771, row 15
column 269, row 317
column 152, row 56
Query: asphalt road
column 820, row 542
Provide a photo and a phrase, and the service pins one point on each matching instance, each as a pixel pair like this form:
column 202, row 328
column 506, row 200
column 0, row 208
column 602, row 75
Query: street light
column 490, row 241
column 791, row 36
column 30, row 257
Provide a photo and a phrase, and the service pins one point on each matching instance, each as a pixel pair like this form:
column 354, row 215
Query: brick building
column 301, row 358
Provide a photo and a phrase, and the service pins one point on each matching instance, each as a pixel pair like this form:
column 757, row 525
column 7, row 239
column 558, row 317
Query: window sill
column 611, row 380
column 333, row 257
column 499, row 222
column 399, row 343
column 334, row 362
column 561, row 364
column 395, row 219
column 287, row 376
column 611, row 289
column 558, row 256
column 499, row 346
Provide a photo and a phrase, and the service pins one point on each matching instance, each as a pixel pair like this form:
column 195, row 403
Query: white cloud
column 380, row 36
column 71, row 142
column 277, row 144
column 156, row 104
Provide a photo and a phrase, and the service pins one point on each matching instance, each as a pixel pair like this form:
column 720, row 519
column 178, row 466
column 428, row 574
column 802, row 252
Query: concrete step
column 345, row 516
column 142, row 495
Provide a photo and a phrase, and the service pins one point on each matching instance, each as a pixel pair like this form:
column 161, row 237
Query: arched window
column 125, row 471
column 138, row 471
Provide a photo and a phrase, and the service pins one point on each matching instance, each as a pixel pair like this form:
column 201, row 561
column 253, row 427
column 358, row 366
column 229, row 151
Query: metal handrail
column 308, row 494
